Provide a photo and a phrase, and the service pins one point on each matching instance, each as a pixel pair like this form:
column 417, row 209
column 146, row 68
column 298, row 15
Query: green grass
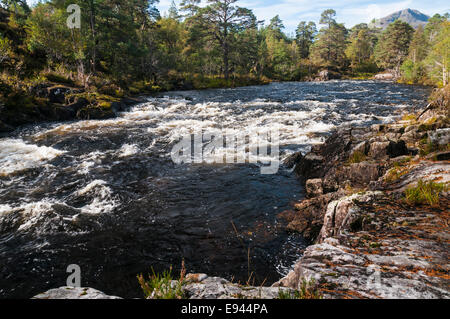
column 308, row 290
column 162, row 286
column 425, row 193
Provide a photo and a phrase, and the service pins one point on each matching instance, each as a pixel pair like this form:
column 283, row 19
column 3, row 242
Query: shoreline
column 61, row 103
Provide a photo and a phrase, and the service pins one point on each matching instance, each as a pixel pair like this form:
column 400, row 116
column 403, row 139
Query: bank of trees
column 129, row 42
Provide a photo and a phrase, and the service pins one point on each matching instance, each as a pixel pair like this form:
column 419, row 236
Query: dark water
column 106, row 195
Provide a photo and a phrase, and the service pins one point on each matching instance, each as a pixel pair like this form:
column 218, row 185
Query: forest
column 128, row 47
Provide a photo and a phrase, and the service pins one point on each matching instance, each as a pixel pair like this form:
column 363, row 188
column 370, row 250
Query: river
column 107, row 196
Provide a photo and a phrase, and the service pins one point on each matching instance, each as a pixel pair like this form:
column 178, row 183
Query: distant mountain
column 413, row 17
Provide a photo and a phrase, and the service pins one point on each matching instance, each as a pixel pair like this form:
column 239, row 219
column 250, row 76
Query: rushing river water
column 107, row 196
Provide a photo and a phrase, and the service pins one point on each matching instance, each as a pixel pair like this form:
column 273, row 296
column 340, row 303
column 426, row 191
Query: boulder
column 57, row 94
column 385, row 77
column 379, row 150
column 326, row 75
column 95, row 113
column 74, row 293
column 205, row 287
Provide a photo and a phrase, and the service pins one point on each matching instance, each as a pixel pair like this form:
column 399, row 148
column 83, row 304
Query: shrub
column 425, row 193
column 162, row 286
column 308, row 290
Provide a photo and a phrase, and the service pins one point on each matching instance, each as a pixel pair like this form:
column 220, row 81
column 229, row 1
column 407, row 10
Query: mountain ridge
column 414, row 17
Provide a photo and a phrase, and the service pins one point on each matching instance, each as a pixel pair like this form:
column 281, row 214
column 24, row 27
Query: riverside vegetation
column 51, row 72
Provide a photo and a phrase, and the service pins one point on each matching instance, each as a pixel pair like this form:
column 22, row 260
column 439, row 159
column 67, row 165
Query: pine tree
column 393, row 46
column 305, row 34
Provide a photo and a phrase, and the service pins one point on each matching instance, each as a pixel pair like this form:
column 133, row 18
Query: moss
column 58, row 78
column 395, row 173
column 409, row 118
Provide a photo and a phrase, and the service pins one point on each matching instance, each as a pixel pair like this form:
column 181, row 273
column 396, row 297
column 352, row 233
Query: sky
column 350, row 12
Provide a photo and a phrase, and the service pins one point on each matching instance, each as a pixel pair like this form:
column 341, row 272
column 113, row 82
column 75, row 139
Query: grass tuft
column 308, row 290
column 425, row 193
column 162, row 286
column 357, row 157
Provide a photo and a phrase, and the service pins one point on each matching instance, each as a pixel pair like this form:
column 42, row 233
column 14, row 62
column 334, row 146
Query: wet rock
column 309, row 166
column 314, row 187
column 74, row 293
column 293, row 159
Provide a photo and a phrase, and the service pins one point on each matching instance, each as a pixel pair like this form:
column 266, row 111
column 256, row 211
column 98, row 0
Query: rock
column 326, row 75
column 74, row 293
column 309, row 166
column 196, row 277
column 118, row 107
column 293, row 159
column 57, row 94
column 440, row 136
column 397, row 148
column 360, row 174
column 379, row 249
column 412, row 135
column 219, row 288
column 314, row 187
column 362, row 148
column 309, row 215
column 340, row 214
column 385, row 77
column 379, row 150
column 95, row 113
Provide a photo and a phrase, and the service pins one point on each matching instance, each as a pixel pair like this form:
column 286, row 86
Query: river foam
column 16, row 155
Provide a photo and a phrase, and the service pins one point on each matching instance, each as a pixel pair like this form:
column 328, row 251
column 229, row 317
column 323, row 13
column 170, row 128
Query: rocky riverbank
column 378, row 209
column 56, row 102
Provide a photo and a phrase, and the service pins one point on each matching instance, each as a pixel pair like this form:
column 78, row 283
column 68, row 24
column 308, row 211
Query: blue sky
column 350, row 12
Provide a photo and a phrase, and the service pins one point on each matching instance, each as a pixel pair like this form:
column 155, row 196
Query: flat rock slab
column 74, row 293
